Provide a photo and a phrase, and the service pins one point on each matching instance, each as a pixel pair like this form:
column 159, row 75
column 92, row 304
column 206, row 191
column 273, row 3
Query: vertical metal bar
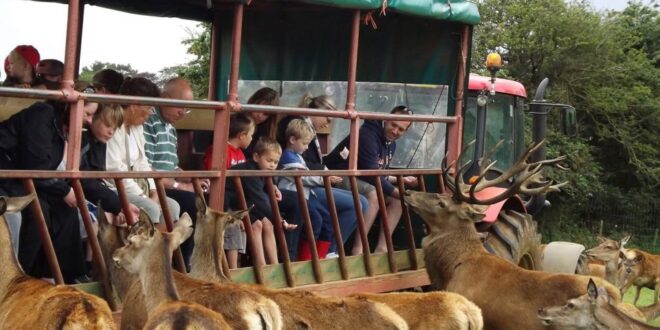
column 75, row 136
column 421, row 185
column 237, row 31
column 309, row 232
column 179, row 264
column 258, row 272
column 72, row 38
column 279, row 230
column 335, row 225
column 455, row 130
column 366, row 252
column 412, row 254
column 121, row 192
column 46, row 242
column 441, row 183
column 93, row 242
column 352, row 60
column 385, row 226
column 350, row 92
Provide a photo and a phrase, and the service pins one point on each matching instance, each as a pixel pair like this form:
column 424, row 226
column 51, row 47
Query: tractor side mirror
column 568, row 121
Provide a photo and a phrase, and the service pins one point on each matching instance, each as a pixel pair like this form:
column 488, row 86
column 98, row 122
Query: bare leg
column 369, row 218
column 95, row 229
column 232, row 258
column 270, row 246
column 258, row 254
column 394, row 212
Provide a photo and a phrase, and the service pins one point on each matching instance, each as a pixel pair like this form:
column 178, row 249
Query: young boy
column 267, row 153
column 241, row 129
column 298, row 135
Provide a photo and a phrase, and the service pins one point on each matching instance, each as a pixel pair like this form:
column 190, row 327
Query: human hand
column 70, row 198
column 205, row 184
column 335, row 179
column 288, row 226
column 120, row 219
column 410, row 181
column 278, row 194
column 135, row 211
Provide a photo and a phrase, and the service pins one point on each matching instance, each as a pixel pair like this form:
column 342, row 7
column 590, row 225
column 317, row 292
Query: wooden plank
column 378, row 283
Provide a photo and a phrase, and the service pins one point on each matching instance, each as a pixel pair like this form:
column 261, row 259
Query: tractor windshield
column 504, row 121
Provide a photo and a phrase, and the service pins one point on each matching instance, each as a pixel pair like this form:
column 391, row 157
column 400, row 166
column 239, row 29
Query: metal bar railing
column 279, row 233
column 362, row 229
column 385, row 225
column 309, row 232
column 258, row 272
column 46, row 242
column 412, row 249
column 179, row 264
column 336, row 227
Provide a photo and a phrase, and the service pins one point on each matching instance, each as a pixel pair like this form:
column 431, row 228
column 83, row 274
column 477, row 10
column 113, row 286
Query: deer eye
column 570, row 305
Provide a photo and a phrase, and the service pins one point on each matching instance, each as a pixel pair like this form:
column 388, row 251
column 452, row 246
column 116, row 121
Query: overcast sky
column 146, row 43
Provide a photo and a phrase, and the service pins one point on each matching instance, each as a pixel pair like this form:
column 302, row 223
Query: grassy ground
column 645, row 299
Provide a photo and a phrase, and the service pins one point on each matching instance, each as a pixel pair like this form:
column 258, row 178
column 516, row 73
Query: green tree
column 197, row 70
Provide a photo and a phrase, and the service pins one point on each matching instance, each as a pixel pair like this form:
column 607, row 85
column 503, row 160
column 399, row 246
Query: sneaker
column 332, row 255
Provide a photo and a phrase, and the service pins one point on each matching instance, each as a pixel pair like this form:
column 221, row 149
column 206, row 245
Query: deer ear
column 639, row 257
column 15, row 204
column 200, row 204
column 624, row 240
column 238, row 215
column 592, row 290
column 143, row 226
column 478, row 212
column 600, row 239
column 181, row 231
column 622, row 255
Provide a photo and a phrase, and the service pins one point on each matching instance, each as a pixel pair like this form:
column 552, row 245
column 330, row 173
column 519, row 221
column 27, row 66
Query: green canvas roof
column 460, row 11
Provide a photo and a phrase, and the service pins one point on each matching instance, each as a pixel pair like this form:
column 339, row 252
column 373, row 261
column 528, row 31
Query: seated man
column 377, row 145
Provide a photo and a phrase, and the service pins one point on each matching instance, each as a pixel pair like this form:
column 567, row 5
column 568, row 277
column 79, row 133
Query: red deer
column 641, row 269
column 431, row 310
column 242, row 309
column 456, row 261
column 29, row 303
column 149, row 255
column 608, row 252
column 300, row 309
column 592, row 310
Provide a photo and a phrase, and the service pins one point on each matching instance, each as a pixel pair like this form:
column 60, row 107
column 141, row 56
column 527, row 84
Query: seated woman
column 35, row 139
column 125, row 152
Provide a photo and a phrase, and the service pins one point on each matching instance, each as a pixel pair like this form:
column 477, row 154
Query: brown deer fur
column 643, row 270
column 300, row 309
column 651, row 312
column 149, row 255
column 608, row 251
column 29, row 303
column 432, row 310
column 508, row 296
column 592, row 310
column 239, row 307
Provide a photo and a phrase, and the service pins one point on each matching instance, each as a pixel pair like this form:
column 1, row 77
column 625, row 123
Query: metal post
column 455, row 130
column 362, row 230
column 309, row 232
column 258, row 272
column 179, row 264
column 412, row 249
column 335, row 225
column 46, row 242
column 121, row 192
column 385, row 226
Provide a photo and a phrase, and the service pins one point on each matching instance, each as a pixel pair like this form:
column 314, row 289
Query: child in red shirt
column 241, row 129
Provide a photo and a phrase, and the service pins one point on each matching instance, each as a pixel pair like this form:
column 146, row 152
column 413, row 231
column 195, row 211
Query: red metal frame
column 220, row 173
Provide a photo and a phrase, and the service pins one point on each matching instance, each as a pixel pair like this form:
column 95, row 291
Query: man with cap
column 20, row 66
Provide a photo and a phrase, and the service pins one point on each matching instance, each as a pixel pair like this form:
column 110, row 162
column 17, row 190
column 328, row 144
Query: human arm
column 115, row 160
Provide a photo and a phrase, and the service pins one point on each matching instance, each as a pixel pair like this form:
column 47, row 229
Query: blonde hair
column 298, row 129
column 267, row 144
column 318, row 102
column 111, row 114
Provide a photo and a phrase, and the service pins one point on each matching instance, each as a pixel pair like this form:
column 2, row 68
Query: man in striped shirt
column 161, row 150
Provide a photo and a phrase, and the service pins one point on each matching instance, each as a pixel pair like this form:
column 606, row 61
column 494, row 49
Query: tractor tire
column 513, row 237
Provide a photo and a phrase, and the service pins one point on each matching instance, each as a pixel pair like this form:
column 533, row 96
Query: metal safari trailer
column 369, row 56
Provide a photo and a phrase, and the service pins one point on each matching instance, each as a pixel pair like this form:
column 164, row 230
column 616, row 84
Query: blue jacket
column 374, row 153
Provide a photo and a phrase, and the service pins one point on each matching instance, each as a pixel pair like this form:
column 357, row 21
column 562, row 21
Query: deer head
column 14, row 204
column 577, row 312
column 212, row 223
column 607, row 249
column 144, row 241
column 463, row 204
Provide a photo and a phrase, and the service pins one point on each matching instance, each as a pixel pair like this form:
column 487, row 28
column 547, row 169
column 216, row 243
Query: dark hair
column 139, row 86
column 239, row 123
column 265, row 95
column 402, row 109
column 109, row 79
column 54, row 67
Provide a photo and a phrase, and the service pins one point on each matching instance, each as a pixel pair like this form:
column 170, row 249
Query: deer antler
column 527, row 177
